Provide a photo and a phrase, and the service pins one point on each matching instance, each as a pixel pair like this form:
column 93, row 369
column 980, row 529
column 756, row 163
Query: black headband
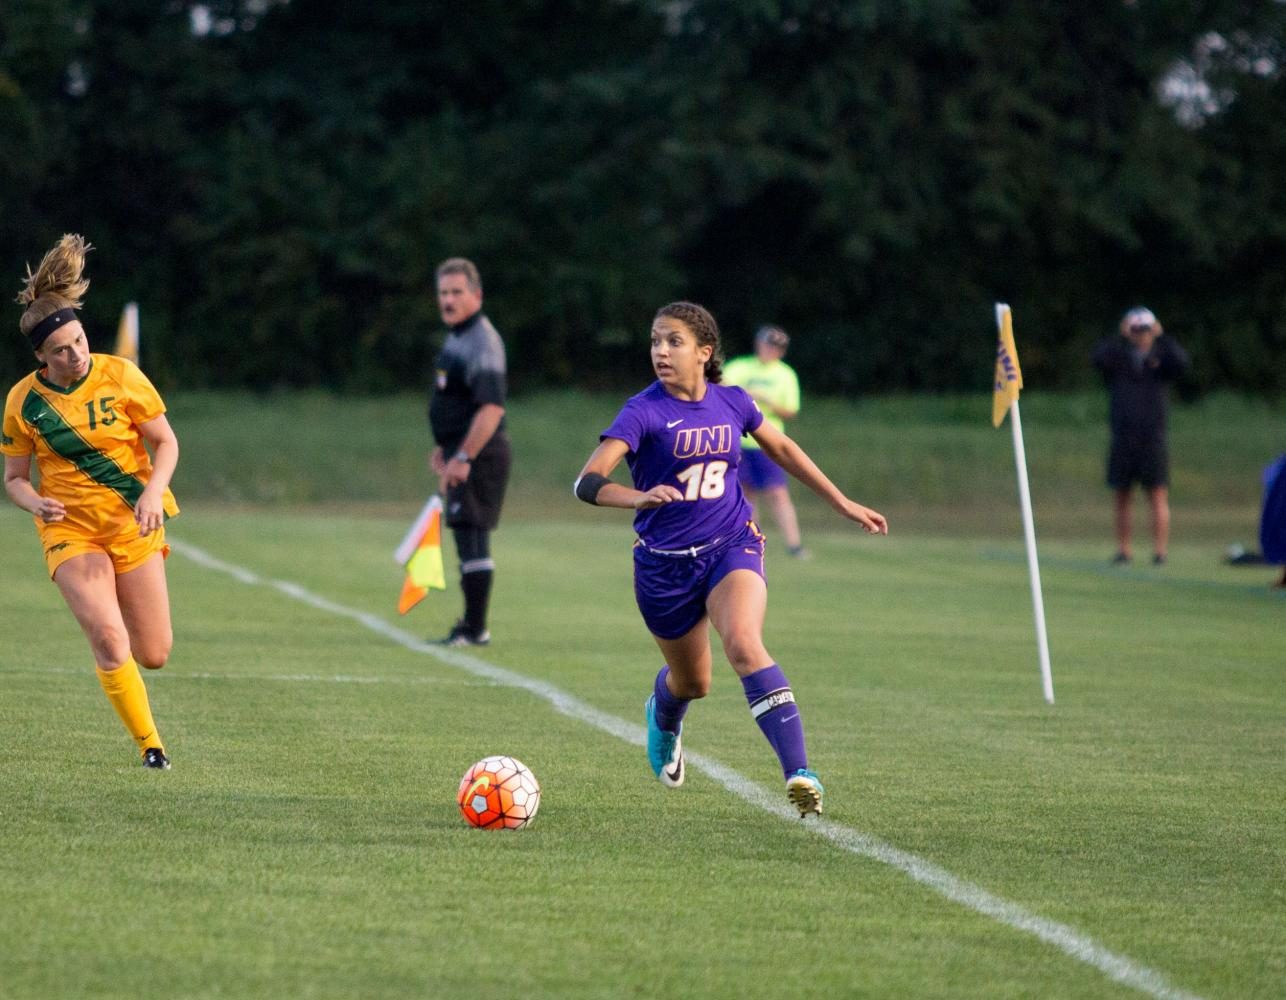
column 41, row 331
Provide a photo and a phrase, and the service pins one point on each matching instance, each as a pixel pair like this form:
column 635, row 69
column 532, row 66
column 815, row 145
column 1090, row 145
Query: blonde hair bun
column 58, row 282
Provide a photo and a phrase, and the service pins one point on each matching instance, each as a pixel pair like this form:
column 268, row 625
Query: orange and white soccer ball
column 499, row 793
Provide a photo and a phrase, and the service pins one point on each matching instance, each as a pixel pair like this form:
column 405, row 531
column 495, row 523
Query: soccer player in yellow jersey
column 101, row 504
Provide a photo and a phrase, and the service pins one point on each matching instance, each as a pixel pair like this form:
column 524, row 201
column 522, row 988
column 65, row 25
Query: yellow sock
column 125, row 690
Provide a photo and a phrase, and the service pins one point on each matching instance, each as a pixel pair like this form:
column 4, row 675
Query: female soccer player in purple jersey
column 699, row 559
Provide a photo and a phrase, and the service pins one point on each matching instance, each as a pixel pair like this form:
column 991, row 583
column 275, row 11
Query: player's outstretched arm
column 795, row 461
column 594, row 487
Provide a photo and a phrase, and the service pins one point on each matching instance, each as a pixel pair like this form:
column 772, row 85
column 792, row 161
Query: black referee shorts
column 1144, row 460
column 476, row 502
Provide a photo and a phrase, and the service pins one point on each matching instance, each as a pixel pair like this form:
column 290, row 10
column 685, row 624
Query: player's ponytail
column 703, row 326
column 56, row 284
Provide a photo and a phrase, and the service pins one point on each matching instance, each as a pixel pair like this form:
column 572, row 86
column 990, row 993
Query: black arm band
column 588, row 485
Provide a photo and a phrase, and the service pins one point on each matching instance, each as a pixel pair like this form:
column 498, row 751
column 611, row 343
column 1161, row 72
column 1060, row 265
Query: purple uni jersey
column 694, row 447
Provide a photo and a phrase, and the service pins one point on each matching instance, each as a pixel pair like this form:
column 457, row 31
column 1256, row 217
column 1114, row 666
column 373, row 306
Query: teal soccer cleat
column 805, row 792
column 664, row 750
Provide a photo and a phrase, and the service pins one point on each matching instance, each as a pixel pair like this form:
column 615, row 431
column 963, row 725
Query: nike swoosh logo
column 677, row 772
column 674, row 423
column 482, row 784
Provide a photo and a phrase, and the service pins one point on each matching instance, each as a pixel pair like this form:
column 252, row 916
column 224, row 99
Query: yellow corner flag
column 127, row 333
column 421, row 554
column 1009, row 377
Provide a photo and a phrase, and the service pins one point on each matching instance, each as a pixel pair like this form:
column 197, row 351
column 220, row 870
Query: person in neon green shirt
column 774, row 385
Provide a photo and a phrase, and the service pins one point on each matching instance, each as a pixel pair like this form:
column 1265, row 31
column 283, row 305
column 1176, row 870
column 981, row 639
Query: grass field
column 933, row 463
column 1130, row 840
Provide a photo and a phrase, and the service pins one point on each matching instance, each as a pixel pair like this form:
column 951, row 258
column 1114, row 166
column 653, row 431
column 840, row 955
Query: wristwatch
column 462, row 456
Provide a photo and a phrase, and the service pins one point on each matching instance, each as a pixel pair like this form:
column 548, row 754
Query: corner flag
column 1009, row 377
column 127, row 333
column 421, row 554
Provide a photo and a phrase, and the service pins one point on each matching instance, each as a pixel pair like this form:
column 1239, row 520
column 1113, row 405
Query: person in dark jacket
column 471, row 455
column 1137, row 365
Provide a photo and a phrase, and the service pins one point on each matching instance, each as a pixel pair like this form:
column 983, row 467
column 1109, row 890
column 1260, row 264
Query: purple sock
column 772, row 703
column 669, row 709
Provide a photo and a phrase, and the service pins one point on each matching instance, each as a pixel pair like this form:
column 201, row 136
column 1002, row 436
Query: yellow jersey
column 86, row 440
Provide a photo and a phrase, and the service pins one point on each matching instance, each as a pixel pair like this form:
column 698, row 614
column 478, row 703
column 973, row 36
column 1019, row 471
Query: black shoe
column 462, row 635
column 155, row 758
column 1121, row 559
column 1158, row 560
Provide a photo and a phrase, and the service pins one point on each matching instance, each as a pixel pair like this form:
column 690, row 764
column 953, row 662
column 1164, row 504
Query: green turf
column 306, row 843
column 930, row 462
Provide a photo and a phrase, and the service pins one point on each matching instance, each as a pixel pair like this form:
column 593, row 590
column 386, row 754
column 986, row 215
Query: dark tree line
column 274, row 180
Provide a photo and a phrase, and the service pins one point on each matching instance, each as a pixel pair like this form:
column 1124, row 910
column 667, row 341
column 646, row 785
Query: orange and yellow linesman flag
column 127, row 333
column 1009, row 377
column 421, row 554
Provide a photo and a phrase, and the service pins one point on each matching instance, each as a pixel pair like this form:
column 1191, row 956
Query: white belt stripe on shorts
column 692, row 552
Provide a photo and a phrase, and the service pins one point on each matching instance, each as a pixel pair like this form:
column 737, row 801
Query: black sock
column 477, row 596
column 473, row 546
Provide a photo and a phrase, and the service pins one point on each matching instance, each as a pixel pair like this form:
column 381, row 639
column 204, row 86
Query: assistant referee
column 472, row 454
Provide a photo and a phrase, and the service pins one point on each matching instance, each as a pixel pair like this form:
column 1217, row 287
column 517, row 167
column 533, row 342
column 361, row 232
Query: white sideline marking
column 1066, row 939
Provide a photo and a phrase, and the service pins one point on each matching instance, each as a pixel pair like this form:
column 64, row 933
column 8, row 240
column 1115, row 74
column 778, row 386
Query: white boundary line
column 1066, row 939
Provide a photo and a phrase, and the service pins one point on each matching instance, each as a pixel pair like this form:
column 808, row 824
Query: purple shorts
column 671, row 590
column 759, row 472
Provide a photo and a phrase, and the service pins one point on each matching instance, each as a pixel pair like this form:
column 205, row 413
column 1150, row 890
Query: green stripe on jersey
column 66, row 442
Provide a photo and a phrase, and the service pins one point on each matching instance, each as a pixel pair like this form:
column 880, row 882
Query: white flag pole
column 412, row 540
column 1029, row 534
column 1033, row 567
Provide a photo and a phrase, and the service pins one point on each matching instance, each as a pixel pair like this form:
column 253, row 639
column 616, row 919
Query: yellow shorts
column 126, row 550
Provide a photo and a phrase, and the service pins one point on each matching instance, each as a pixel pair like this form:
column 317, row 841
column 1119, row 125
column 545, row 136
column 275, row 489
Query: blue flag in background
column 1272, row 523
